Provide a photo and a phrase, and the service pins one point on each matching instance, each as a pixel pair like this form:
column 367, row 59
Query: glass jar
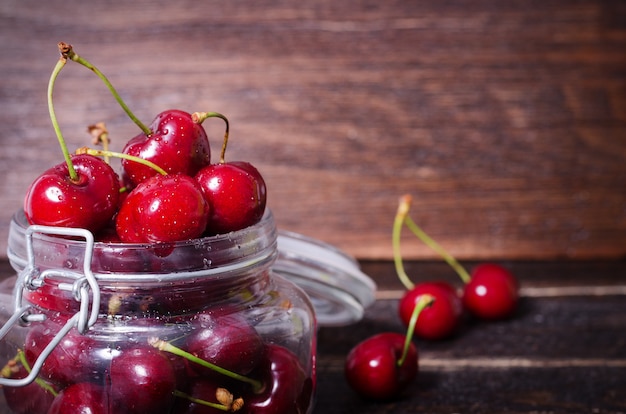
column 188, row 327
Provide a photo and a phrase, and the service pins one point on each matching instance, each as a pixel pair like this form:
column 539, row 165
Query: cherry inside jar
column 198, row 326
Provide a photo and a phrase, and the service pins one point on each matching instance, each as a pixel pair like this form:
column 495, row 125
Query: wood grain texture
column 505, row 120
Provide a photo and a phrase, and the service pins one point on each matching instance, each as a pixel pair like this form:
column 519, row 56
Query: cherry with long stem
column 438, row 321
column 403, row 218
column 79, row 181
column 162, row 345
column 55, row 123
column 490, row 292
column 235, row 190
column 383, row 365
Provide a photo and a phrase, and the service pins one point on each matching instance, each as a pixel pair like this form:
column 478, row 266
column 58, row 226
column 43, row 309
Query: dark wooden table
column 563, row 352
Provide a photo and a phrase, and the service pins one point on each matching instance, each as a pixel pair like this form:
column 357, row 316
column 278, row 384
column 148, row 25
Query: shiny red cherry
column 286, row 390
column 163, row 208
column 82, row 397
column 442, row 318
column 142, row 380
column 176, row 143
column 491, row 293
column 89, row 202
column 372, row 368
column 236, row 193
column 228, row 341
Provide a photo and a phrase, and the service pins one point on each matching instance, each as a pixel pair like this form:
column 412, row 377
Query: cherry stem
column 162, row 345
column 104, row 153
column 217, row 406
column 460, row 270
column 403, row 210
column 422, row 303
column 55, row 123
column 68, row 52
column 199, row 117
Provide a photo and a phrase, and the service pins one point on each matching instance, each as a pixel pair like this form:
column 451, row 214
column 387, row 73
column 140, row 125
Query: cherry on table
column 442, row 318
column 382, row 366
column 372, row 367
column 492, row 292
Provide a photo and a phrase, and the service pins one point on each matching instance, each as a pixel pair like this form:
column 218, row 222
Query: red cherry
column 142, row 380
column 89, row 202
column 287, row 389
column 228, row 341
column 177, row 144
column 83, row 397
column 441, row 319
column 236, row 193
column 491, row 293
column 372, row 368
column 163, row 208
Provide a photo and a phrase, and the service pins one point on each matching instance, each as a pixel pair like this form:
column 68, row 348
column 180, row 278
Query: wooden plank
column 484, row 390
column 506, row 121
column 557, row 355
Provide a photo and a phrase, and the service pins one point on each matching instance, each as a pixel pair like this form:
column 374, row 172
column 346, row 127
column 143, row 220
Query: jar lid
column 339, row 290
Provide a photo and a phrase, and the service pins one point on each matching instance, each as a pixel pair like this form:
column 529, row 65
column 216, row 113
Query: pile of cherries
column 169, row 190
column 217, row 363
column 374, row 367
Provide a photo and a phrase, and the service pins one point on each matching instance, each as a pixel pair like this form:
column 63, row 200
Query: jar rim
column 339, row 290
column 146, row 262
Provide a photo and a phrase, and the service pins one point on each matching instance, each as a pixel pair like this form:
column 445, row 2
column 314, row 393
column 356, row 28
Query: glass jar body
column 189, row 327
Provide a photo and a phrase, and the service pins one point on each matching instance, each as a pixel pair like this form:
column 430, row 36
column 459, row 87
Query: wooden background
column 506, row 120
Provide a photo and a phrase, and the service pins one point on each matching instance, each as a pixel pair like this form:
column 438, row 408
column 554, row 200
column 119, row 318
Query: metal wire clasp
column 83, row 285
